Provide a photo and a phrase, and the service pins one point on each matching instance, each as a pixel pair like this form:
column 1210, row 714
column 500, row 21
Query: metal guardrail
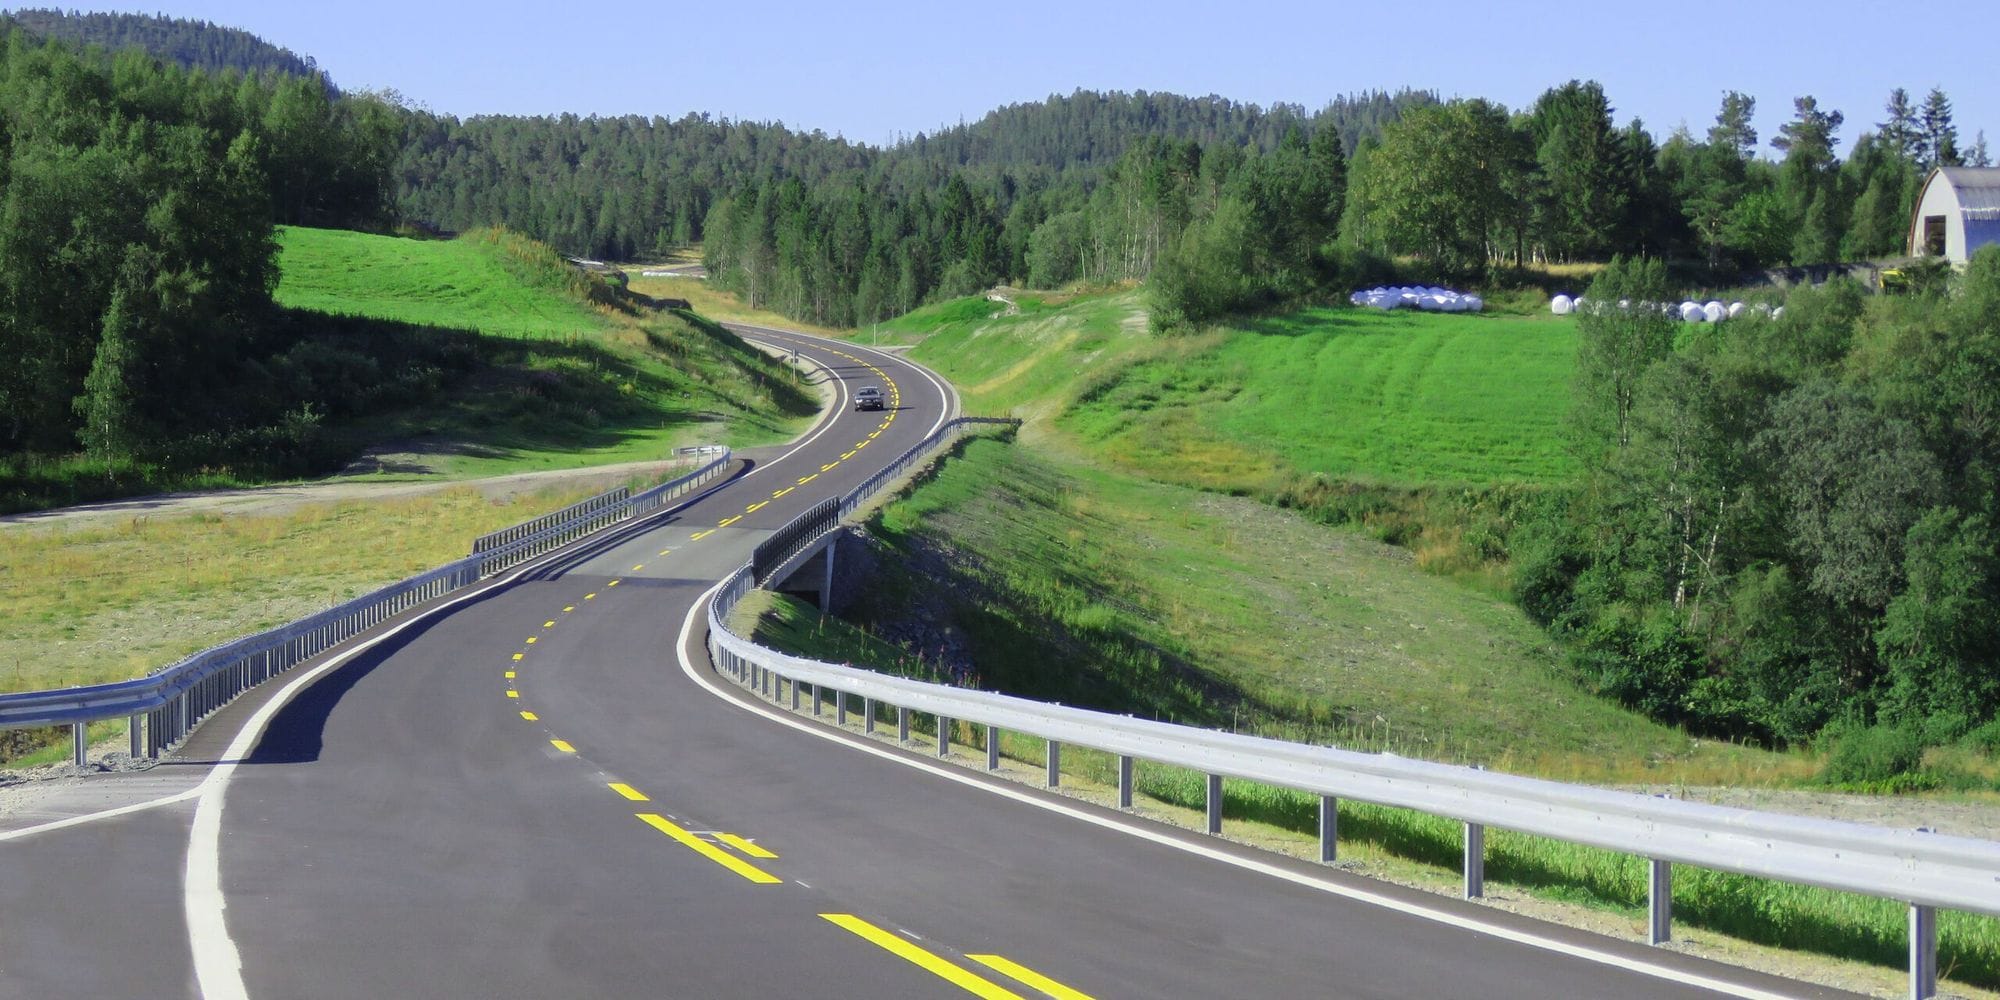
column 1925, row 870
column 171, row 701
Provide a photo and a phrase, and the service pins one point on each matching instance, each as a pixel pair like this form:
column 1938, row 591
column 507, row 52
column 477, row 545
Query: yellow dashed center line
column 569, row 608
column 549, row 624
column 562, row 745
column 828, row 467
column 755, row 507
column 665, row 551
column 699, row 535
column 807, row 479
column 590, row 597
column 531, row 640
column 778, row 493
column 513, row 694
column 727, row 521
column 614, row 583
column 903, row 949
column 530, row 716
column 629, row 792
column 845, row 455
column 510, row 675
column 709, row 851
column 1029, row 977
column 519, row 655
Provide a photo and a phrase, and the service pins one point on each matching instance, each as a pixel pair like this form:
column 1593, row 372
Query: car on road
column 869, row 397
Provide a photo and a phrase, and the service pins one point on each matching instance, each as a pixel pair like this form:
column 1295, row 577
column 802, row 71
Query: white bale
column 1736, row 309
column 1473, row 303
column 1714, row 312
column 1561, row 305
column 1691, row 312
column 1778, row 313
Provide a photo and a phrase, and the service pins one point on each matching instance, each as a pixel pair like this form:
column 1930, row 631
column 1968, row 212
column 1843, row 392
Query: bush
column 1985, row 739
column 1874, row 755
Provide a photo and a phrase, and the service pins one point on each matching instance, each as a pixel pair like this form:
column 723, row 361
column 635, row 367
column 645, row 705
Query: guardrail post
column 815, row 698
column 868, row 709
column 1329, row 829
column 1124, row 782
column 132, row 731
column 1215, row 803
column 795, row 694
column 993, row 748
column 903, row 724
column 826, row 588
column 1055, row 764
column 944, row 736
column 1923, row 952
column 840, row 707
column 1660, row 902
column 1475, row 860
column 79, row 737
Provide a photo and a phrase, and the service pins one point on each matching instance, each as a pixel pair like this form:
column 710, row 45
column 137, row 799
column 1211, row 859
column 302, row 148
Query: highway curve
column 541, row 791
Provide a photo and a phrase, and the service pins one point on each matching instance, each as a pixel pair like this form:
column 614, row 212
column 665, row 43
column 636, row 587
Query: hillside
column 193, row 44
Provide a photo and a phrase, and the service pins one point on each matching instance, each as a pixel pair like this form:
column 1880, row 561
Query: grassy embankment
column 1163, row 600
column 559, row 376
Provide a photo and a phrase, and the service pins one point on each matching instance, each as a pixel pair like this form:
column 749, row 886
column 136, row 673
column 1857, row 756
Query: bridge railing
column 1926, row 871
column 165, row 706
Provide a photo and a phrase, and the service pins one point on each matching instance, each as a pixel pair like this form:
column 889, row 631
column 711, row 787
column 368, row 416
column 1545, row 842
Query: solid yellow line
column 563, row 746
column 727, row 521
column 629, row 792
column 710, row 851
column 746, row 846
column 755, row 507
column 1029, row 978
column 914, row 955
column 530, row 716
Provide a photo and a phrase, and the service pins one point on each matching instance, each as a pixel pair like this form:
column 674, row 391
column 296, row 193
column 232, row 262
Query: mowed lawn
column 1402, row 398
column 468, row 283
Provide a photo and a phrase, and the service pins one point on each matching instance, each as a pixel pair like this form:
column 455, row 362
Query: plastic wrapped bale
column 1561, row 305
column 1715, row 312
column 1736, row 309
column 1778, row 313
column 1691, row 312
column 1411, row 298
column 1473, row 303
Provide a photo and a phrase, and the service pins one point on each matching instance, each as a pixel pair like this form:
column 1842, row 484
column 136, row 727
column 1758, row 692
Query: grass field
column 482, row 282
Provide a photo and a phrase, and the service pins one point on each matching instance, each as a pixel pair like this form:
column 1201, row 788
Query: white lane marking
column 63, row 824
column 1408, row 907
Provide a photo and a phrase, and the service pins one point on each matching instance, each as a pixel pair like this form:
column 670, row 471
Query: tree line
column 1784, row 523
column 137, row 249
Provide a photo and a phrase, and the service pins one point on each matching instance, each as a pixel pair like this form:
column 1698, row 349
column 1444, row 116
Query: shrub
column 1873, row 755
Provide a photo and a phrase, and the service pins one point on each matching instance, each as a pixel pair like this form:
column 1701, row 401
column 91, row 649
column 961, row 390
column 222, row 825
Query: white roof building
column 1957, row 213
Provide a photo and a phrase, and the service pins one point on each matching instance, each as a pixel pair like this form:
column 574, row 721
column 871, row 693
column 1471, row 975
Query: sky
column 873, row 72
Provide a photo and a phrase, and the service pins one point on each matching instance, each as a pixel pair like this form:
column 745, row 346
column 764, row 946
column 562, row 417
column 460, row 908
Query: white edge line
column 64, row 824
column 949, row 773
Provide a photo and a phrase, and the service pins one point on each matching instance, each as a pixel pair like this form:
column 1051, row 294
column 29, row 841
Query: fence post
column 1215, row 803
column 1124, row 782
column 1923, row 952
column 1329, row 829
column 1660, row 902
column 1475, row 860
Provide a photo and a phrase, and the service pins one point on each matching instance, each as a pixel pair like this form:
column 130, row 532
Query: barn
column 1958, row 212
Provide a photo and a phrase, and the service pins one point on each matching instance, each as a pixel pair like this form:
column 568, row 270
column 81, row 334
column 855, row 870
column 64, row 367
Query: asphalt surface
column 525, row 795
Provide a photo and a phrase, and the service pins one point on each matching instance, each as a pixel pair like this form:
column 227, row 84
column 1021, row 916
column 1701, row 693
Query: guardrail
column 1926, row 871
column 171, row 701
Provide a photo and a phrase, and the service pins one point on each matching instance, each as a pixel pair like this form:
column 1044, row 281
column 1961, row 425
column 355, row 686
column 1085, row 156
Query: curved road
column 540, row 790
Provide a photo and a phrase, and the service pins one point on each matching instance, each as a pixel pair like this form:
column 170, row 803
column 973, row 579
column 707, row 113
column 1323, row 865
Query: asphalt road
column 525, row 794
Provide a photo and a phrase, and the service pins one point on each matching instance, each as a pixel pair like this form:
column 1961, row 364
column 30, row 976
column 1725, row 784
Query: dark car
column 869, row 397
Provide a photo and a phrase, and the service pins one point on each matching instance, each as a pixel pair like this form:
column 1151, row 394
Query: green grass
column 486, row 281
column 1403, row 397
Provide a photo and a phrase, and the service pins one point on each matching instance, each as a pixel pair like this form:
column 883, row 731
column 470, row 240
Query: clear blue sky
column 871, row 71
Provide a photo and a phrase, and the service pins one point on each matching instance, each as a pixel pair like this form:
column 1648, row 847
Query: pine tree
column 1733, row 129
column 1901, row 132
column 1940, row 136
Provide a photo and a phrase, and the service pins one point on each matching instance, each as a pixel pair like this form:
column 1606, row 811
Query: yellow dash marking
column 614, row 583
column 828, row 467
column 531, row 640
column 629, row 792
column 530, row 716
column 872, row 436
column 746, row 846
column 519, row 655
column 782, row 492
column 903, row 949
column 568, row 608
column 549, row 624
column 590, row 597
column 510, row 675
column 727, row 521
column 513, row 694
column 883, row 426
column 710, row 851
column 562, row 745
column 807, row 479
column 639, row 567
column 665, row 551
column 845, row 455
column 755, row 507
column 1029, row 977
column 860, row 445
column 699, row 535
